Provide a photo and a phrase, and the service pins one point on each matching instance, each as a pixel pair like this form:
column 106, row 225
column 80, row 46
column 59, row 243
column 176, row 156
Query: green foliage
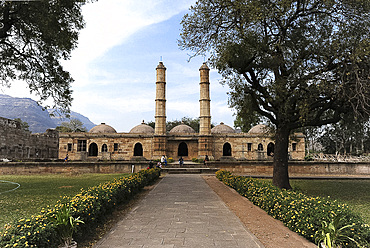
column 332, row 235
column 192, row 122
column 74, row 125
column 24, row 125
column 65, row 224
column 296, row 63
column 34, row 37
column 91, row 205
column 300, row 213
column 197, row 160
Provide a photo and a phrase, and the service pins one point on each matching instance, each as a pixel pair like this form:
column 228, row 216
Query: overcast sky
column 114, row 65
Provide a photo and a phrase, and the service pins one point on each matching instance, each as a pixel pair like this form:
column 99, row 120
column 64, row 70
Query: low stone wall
column 308, row 168
column 24, row 168
column 258, row 168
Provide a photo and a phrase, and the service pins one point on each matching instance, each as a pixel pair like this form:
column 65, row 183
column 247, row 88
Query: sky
column 114, row 65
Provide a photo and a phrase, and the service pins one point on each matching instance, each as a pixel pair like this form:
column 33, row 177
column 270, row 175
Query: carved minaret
column 160, row 113
column 205, row 138
column 160, row 100
column 205, row 101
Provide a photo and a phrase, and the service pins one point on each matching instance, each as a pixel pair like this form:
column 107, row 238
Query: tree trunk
column 280, row 174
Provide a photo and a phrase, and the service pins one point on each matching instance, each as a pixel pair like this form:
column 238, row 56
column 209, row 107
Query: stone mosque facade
column 143, row 142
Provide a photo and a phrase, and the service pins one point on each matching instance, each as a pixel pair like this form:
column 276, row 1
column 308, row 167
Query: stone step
column 183, row 170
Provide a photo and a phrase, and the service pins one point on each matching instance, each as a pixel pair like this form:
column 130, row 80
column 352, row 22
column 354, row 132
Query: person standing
column 206, row 159
column 181, row 161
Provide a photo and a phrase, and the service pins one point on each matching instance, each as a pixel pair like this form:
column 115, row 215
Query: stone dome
column 259, row 129
column 182, row 128
column 222, row 128
column 142, row 128
column 102, row 128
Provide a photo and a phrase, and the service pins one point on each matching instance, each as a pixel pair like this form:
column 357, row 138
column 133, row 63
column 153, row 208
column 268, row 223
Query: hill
column 29, row 111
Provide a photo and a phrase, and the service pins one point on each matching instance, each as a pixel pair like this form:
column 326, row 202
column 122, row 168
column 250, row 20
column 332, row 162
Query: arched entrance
column 93, row 150
column 270, row 149
column 138, row 150
column 104, row 148
column 226, row 150
column 183, row 150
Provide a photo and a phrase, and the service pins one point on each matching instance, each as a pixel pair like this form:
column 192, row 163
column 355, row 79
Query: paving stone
column 181, row 211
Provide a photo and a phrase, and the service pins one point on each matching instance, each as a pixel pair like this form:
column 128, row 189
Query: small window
column 69, row 147
column 294, row 147
column 81, row 145
column 260, row 147
column 104, row 148
column 249, row 147
column 115, row 147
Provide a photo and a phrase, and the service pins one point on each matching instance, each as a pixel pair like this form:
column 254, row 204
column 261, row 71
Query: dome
column 142, row 128
column 102, row 128
column 222, row 128
column 182, row 128
column 259, row 129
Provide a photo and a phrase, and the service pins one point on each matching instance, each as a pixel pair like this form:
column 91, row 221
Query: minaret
column 160, row 139
column 205, row 101
column 160, row 100
column 205, row 138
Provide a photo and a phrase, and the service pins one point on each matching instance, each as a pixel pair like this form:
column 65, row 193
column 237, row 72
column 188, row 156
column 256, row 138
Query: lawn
column 355, row 193
column 38, row 191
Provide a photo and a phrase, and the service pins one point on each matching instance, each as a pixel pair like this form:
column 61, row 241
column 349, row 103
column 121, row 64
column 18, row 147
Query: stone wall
column 16, row 144
column 256, row 168
column 27, row 168
column 298, row 168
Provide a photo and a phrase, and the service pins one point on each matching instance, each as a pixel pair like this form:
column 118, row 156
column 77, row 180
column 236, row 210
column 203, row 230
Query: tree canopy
column 34, row 37
column 192, row 122
column 298, row 63
column 74, row 125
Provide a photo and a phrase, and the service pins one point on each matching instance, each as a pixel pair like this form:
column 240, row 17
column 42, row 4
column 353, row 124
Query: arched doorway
column 226, row 149
column 138, row 150
column 93, row 150
column 260, row 147
column 270, row 149
column 104, row 148
column 183, row 150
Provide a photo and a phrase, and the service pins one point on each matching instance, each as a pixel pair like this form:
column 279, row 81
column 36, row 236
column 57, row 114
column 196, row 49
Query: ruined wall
column 16, row 144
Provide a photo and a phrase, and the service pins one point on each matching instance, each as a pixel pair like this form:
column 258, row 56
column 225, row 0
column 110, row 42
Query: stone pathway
column 181, row 211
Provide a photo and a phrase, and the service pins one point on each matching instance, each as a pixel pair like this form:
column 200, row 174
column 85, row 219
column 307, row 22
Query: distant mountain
column 59, row 119
column 29, row 111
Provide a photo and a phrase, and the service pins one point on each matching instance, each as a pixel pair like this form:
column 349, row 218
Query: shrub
column 300, row 213
column 89, row 205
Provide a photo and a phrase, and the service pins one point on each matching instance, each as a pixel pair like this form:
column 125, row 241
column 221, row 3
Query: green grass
column 355, row 193
column 39, row 191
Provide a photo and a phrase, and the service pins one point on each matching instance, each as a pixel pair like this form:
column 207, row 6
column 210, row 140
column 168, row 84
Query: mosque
column 143, row 142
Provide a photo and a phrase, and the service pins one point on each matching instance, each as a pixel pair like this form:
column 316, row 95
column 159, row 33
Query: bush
column 300, row 213
column 90, row 205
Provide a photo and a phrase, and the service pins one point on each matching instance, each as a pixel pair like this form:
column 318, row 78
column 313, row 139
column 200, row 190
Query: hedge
column 91, row 205
column 300, row 213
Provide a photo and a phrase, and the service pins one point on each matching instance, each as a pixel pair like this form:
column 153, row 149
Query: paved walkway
column 181, row 211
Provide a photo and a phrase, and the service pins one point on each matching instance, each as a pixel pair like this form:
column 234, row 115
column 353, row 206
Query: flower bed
column 300, row 213
column 90, row 205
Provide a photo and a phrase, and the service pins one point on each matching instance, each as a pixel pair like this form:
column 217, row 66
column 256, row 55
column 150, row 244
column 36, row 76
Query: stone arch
column 93, row 150
column 260, row 147
column 270, row 149
column 226, row 150
column 104, row 148
column 138, row 149
column 182, row 150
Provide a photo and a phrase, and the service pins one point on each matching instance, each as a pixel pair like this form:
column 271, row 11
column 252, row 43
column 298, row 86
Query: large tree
column 34, row 37
column 298, row 63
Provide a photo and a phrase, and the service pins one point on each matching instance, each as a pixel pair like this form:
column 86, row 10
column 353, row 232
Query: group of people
column 163, row 162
